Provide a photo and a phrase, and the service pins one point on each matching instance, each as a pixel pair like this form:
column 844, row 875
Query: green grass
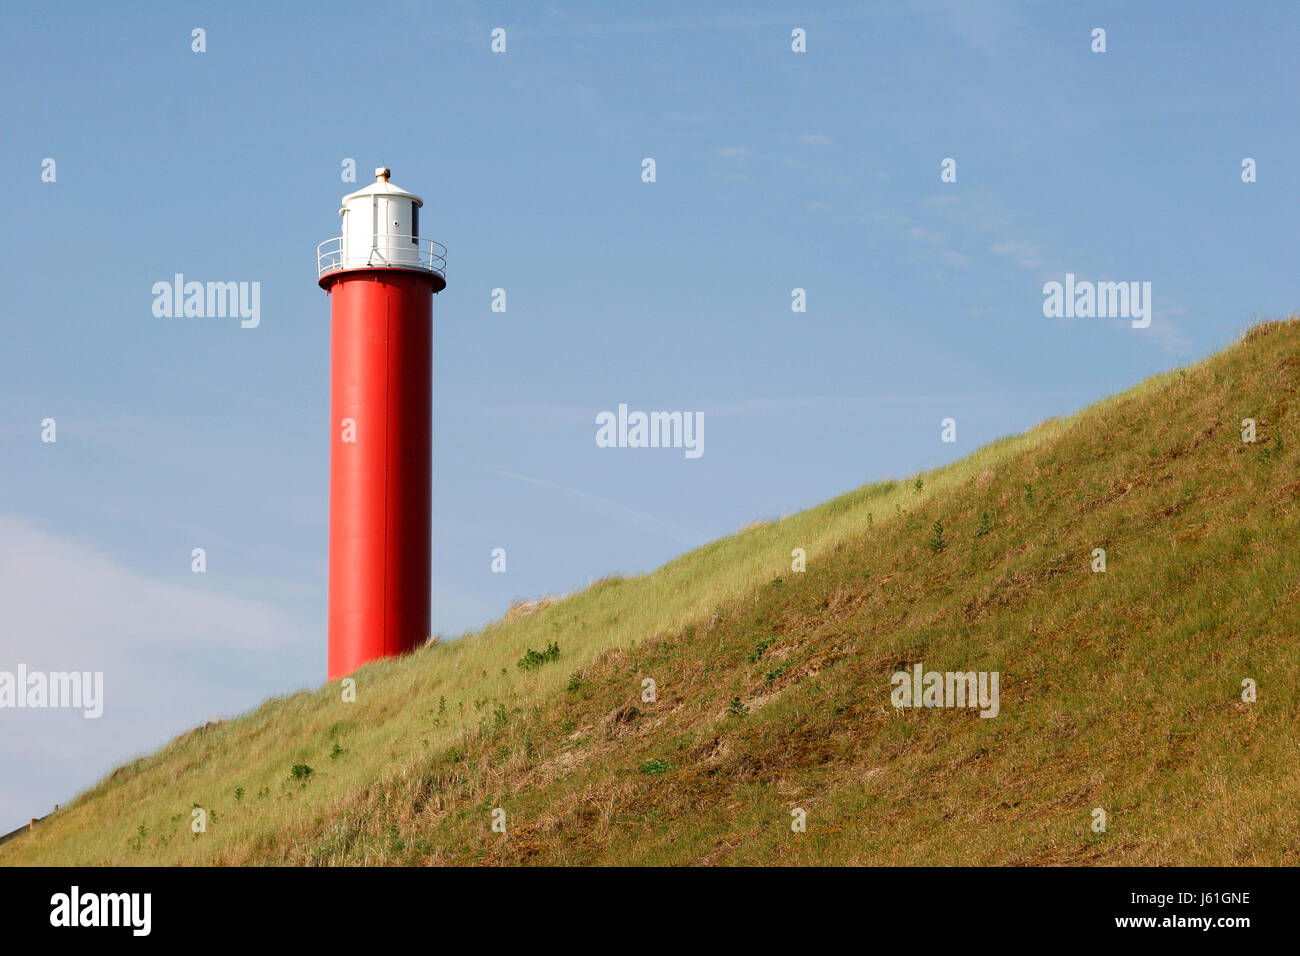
column 1119, row 690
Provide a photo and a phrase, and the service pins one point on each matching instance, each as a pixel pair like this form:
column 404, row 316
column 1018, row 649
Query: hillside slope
column 1119, row 690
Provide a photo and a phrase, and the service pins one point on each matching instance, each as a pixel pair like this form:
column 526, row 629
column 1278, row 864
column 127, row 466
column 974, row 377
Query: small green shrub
column 534, row 659
column 936, row 537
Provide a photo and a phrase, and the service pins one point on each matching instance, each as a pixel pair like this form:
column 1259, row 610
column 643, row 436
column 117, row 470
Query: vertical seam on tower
column 388, row 387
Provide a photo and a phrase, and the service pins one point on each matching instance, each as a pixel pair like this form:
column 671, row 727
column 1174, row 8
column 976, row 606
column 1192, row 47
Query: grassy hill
column 1119, row 690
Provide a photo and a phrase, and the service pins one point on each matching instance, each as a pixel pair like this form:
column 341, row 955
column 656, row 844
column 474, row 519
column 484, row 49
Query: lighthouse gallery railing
column 429, row 256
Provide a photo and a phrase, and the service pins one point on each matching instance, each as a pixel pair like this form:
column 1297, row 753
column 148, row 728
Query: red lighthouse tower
column 381, row 277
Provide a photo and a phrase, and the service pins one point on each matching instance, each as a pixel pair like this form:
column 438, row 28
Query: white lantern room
column 381, row 230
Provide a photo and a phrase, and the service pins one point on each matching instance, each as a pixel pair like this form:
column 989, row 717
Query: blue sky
column 775, row 170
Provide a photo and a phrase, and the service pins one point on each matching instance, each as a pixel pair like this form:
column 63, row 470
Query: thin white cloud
column 732, row 154
column 625, row 513
column 64, row 597
column 172, row 654
column 1024, row 254
column 930, row 236
column 766, row 405
column 575, row 27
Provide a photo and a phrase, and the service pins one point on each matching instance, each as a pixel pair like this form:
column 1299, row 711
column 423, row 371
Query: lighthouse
column 381, row 276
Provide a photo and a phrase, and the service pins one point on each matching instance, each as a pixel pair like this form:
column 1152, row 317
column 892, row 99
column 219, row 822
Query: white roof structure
column 381, row 187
